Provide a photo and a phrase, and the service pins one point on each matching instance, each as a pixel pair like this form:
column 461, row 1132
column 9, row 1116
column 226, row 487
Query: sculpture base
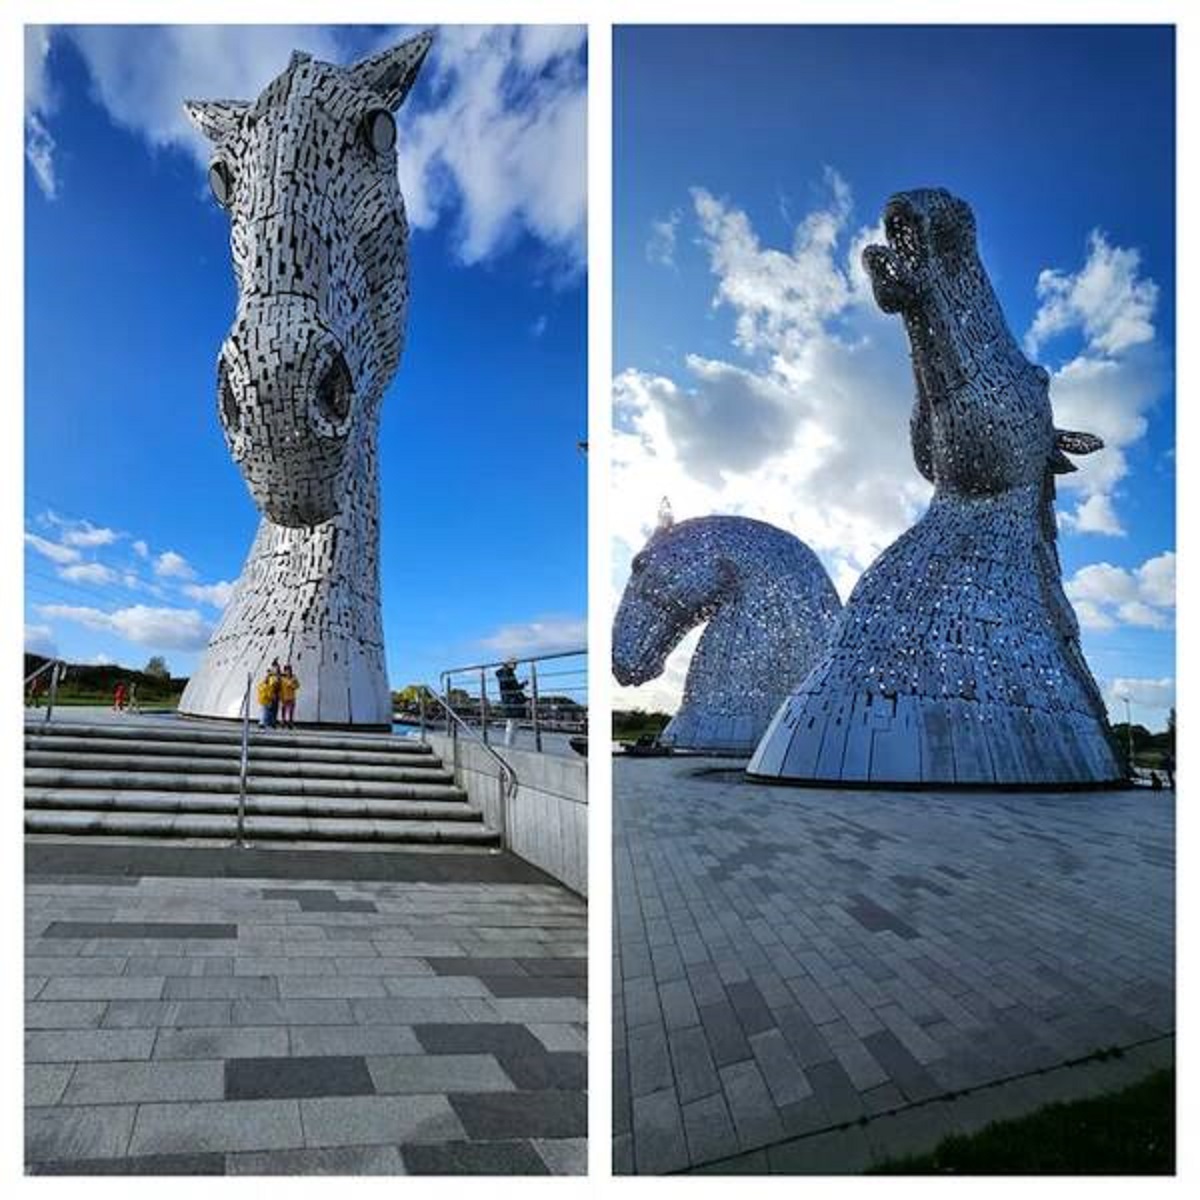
column 710, row 733
column 916, row 742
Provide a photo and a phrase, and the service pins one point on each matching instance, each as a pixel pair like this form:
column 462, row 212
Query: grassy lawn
column 1131, row 1132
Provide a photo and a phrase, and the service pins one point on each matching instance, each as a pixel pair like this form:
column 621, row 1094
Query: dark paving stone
column 531, row 985
column 291, row 1078
column 569, row 967
column 140, row 929
column 563, row 1070
column 230, row 862
column 751, row 1008
column 492, row 1115
column 753, row 1163
column 725, row 1037
column 90, row 880
column 473, row 1158
column 477, row 967
column 318, row 900
column 875, row 918
column 905, row 1072
column 478, row 1037
column 838, row 1096
column 150, row 1164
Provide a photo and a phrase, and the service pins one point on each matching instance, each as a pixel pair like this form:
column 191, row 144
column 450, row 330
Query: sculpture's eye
column 220, row 179
column 379, row 130
column 639, row 563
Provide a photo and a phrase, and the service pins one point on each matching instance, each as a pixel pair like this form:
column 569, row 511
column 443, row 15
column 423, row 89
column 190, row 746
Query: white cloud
column 158, row 628
column 548, row 635
column 216, row 594
column 1110, row 384
column 1105, row 596
column 1148, row 693
column 500, row 150
column 39, row 103
column 660, row 246
column 169, row 565
column 39, row 639
column 662, row 694
column 503, row 145
column 1105, row 299
column 141, row 549
column 90, row 572
column 102, row 660
column 52, row 550
column 84, row 533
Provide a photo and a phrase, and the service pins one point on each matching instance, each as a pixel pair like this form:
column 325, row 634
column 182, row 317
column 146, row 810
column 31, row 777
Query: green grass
column 1130, row 1132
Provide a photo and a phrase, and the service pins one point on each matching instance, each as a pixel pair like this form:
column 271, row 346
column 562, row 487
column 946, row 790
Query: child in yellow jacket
column 289, row 685
column 268, row 699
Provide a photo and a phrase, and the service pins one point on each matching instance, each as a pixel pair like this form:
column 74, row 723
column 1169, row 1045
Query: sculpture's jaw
column 893, row 284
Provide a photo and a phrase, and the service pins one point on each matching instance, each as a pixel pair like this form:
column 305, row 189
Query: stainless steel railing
column 57, row 668
column 556, row 700
column 244, row 765
column 508, row 777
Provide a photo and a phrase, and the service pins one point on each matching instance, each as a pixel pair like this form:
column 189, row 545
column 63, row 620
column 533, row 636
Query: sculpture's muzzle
column 286, row 403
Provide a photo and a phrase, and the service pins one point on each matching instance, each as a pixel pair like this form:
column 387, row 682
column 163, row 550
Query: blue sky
column 754, row 373
column 129, row 293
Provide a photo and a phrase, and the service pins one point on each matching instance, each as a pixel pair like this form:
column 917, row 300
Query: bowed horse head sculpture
column 319, row 240
column 956, row 661
column 982, row 420
column 307, row 173
column 768, row 603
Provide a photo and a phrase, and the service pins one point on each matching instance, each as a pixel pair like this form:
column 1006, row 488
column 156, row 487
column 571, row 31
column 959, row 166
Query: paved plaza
column 209, row 1011
column 815, row 980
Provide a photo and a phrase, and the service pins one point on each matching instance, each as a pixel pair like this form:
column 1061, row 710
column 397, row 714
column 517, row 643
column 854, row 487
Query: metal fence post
column 241, row 814
column 446, row 696
column 54, row 677
column 483, row 704
column 533, row 693
column 421, row 708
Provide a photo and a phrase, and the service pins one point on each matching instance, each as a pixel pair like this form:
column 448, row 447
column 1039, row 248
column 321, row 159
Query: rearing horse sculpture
column 769, row 605
column 956, row 659
column 319, row 241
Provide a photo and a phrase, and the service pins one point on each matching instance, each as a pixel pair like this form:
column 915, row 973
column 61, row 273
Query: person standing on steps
column 289, row 685
column 268, row 697
column 119, row 696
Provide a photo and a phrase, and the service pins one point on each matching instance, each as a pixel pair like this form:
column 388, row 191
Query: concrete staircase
column 171, row 778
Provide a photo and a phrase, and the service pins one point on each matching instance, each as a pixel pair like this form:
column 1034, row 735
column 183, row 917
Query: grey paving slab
column 243, row 1042
column 224, row 1126
column 88, row 1045
column 78, row 1132
column 102, row 987
column 142, row 930
column 334, row 1160
column 292, row 1077
column 428, row 1073
column 220, row 987
column 851, row 954
column 46, row 1082
column 564, row 1156
column 354, row 1039
column 543, row 1114
column 145, row 1082
column 147, row 1164
column 65, row 1014
column 358, row 1120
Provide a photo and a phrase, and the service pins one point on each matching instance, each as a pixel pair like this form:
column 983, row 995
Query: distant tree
column 157, row 667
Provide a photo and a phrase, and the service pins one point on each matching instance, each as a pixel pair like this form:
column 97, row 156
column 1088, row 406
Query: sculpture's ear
column 1073, row 442
column 390, row 74
column 216, row 119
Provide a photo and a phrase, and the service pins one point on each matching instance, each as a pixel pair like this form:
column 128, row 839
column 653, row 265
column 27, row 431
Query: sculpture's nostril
column 229, row 404
column 335, row 390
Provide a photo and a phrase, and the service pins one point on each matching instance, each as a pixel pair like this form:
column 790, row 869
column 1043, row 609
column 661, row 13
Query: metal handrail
column 57, row 668
column 526, row 658
column 245, row 764
column 508, row 777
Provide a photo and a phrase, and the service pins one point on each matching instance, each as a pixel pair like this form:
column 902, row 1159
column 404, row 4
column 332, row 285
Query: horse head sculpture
column 307, row 173
column 319, row 237
column 982, row 420
column 768, row 603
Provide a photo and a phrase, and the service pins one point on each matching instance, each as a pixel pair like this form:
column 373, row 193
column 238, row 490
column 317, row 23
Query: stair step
column 182, row 730
column 431, row 771
column 261, row 750
column 158, row 781
column 267, row 805
column 215, row 825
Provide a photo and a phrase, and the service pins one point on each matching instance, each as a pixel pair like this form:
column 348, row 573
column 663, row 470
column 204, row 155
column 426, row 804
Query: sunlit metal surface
column 956, row 659
column 320, row 253
column 769, row 606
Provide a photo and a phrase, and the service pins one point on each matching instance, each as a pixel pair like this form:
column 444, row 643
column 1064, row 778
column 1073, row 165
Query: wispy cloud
column 547, row 635
column 54, row 551
column 158, row 628
column 171, row 565
column 1105, row 596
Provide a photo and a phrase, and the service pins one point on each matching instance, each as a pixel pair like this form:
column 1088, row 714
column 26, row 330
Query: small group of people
column 125, row 697
column 277, row 697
